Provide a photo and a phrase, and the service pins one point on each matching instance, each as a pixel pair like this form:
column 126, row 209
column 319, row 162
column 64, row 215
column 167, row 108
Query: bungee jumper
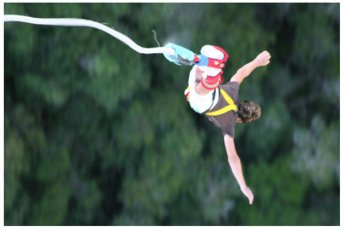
column 205, row 92
column 219, row 102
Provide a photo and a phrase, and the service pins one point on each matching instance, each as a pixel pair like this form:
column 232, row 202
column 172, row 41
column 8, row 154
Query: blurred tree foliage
column 97, row 134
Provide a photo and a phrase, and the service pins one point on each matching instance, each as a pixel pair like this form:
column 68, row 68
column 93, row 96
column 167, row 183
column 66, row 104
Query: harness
column 231, row 105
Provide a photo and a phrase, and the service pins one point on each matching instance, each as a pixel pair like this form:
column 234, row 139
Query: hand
column 263, row 58
column 248, row 193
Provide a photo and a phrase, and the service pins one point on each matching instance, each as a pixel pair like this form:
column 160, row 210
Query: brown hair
column 248, row 111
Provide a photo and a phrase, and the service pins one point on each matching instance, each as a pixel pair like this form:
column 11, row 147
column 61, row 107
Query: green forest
column 98, row 134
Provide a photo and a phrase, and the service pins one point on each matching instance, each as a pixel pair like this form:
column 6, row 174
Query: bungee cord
column 174, row 53
column 88, row 23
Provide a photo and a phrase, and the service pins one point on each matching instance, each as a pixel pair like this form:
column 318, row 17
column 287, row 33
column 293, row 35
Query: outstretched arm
column 261, row 60
column 236, row 167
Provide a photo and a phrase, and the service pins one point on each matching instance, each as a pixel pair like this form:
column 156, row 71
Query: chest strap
column 231, row 105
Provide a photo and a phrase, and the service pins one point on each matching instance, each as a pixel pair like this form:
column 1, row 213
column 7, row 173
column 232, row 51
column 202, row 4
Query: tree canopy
column 97, row 134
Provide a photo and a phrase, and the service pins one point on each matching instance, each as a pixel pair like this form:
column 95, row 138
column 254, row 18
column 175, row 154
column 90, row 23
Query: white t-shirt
column 200, row 103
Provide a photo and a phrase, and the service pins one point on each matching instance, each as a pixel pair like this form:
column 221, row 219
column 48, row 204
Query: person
column 220, row 103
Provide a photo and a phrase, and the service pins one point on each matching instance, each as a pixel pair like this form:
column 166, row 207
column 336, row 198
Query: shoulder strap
column 231, row 105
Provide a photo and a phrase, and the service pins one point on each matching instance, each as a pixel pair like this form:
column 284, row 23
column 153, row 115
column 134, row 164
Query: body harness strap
column 231, row 105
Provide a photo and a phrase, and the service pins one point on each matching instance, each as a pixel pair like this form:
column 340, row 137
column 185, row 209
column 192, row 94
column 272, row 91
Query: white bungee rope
column 87, row 23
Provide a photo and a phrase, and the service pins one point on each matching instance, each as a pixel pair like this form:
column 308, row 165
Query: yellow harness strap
column 231, row 105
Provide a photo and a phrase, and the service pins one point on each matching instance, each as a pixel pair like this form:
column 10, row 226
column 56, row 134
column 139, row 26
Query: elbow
column 242, row 72
column 233, row 158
